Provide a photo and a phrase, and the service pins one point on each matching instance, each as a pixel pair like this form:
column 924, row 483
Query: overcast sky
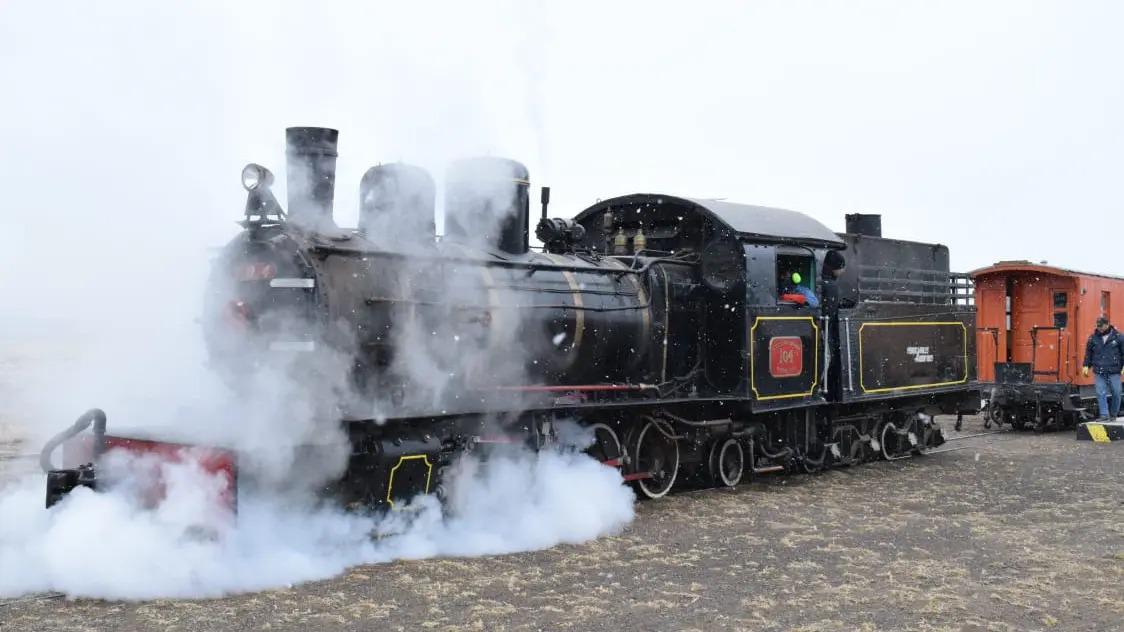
column 996, row 128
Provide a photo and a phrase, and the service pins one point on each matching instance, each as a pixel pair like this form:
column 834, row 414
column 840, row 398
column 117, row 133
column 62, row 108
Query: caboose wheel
column 655, row 460
column 727, row 462
column 606, row 446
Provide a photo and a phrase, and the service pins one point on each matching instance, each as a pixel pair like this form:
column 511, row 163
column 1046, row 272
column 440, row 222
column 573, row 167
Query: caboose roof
column 763, row 223
column 1039, row 268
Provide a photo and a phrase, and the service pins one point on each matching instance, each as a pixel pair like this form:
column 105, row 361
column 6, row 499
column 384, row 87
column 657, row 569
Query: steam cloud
column 137, row 352
column 106, row 545
column 111, row 545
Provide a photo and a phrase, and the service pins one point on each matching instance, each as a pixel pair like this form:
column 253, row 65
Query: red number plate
column 786, row 356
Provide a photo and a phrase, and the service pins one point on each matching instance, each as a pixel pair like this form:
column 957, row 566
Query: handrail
column 95, row 416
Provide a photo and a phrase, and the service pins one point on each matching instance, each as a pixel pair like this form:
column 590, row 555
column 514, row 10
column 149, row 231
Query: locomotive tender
column 658, row 323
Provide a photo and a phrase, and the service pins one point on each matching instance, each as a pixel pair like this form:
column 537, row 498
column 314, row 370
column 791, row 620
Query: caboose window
column 1060, row 299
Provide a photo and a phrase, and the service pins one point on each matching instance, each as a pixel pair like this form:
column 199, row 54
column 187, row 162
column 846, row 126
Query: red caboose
column 1032, row 322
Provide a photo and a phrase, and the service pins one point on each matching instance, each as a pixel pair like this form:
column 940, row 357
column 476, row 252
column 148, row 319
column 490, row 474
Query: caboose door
column 987, row 352
column 1046, row 355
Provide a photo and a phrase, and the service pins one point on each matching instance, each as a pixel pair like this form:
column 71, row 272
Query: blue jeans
column 1106, row 382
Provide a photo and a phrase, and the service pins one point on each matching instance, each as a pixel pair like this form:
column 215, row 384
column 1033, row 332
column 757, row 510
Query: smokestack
column 487, row 202
column 311, row 175
column 869, row 225
column 400, row 198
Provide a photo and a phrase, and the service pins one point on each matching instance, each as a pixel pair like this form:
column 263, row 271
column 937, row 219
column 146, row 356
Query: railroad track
column 976, row 435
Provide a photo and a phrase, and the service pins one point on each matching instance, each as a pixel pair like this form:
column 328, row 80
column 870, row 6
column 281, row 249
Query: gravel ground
column 1015, row 532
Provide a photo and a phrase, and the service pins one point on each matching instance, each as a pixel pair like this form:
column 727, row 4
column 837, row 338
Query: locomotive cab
column 788, row 336
column 759, row 334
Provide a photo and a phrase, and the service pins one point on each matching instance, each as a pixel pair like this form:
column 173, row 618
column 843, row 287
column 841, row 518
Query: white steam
column 108, row 545
column 117, row 207
column 113, row 544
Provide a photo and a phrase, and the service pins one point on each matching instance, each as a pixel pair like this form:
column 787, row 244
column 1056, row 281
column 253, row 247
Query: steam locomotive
column 668, row 328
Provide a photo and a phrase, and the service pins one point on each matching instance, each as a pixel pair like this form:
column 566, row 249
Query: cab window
column 796, row 279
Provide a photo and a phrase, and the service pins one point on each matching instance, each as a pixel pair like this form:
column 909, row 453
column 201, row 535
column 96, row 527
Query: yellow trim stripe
column 964, row 357
column 753, row 358
column 393, row 470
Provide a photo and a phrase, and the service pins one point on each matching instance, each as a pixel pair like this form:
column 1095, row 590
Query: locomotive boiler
column 662, row 325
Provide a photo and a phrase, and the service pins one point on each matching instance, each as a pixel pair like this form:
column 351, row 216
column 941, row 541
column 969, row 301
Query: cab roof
column 757, row 223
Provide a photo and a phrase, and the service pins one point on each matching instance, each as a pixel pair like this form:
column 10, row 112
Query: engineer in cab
column 793, row 290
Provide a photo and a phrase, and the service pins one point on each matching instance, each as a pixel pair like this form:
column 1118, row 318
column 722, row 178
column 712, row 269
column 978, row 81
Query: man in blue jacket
column 1104, row 354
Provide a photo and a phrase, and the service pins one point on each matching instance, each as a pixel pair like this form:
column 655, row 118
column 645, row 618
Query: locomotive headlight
column 255, row 176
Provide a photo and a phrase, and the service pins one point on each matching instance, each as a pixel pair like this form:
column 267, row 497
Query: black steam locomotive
column 685, row 336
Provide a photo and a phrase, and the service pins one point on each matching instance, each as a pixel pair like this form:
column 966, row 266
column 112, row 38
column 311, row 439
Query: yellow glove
column 1085, row 371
